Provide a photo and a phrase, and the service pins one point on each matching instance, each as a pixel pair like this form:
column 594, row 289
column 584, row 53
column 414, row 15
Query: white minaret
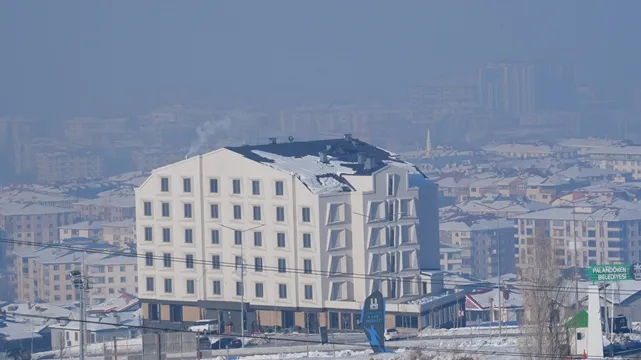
column 428, row 144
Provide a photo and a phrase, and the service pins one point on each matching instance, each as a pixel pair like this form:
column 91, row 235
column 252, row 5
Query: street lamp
column 82, row 284
column 242, row 279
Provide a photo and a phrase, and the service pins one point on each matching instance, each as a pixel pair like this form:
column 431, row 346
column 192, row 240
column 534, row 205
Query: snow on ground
column 470, row 331
column 123, row 345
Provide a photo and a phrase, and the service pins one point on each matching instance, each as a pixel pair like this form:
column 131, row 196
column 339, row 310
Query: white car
column 209, row 326
column 391, row 334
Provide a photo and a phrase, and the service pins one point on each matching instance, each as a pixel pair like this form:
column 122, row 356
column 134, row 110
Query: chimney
column 361, row 158
column 323, row 157
column 348, row 137
column 272, row 140
column 369, row 163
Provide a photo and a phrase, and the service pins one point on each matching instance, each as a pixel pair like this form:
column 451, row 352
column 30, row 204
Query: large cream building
column 320, row 225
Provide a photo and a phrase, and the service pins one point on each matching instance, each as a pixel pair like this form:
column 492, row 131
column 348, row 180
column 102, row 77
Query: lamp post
column 81, row 283
column 242, row 279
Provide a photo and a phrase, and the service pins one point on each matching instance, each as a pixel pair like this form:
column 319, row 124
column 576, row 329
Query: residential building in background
column 320, row 225
column 488, row 245
column 42, row 273
column 451, row 258
column 30, row 223
column 85, row 229
column 66, row 166
column 119, row 233
column 582, row 235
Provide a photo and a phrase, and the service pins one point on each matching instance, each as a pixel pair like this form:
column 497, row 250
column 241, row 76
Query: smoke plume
column 205, row 131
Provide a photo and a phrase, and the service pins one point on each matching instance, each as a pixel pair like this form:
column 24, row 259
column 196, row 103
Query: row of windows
column 216, row 263
column 215, row 237
column 214, row 186
column 259, row 288
column 215, row 212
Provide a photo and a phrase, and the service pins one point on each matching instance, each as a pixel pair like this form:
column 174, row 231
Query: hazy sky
column 63, row 58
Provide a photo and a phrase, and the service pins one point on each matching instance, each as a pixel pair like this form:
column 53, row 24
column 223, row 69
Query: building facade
column 318, row 226
column 580, row 235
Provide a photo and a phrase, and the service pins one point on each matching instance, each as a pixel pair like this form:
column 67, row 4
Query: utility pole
column 81, row 284
column 498, row 268
column 242, row 293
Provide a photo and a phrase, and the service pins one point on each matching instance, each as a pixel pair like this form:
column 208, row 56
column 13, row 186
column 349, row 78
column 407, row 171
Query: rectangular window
column 215, row 262
column 189, row 236
column 238, row 212
column 307, row 215
column 236, row 186
column 282, row 291
column 176, row 313
column 390, row 185
column 166, row 260
column 282, row 265
column 238, row 262
column 280, row 188
column 280, row 214
column 255, row 187
column 307, row 240
column 168, row 286
column 149, row 259
column 149, row 283
column 239, row 288
column 238, row 237
column 166, row 235
column 187, row 185
column 215, row 237
column 258, row 238
column 191, row 287
column 309, row 292
column 307, row 266
column 280, row 240
column 147, row 208
column 165, row 209
column 213, row 186
column 188, row 211
column 164, row 184
column 189, row 261
column 217, row 287
column 258, row 264
column 153, row 312
column 148, row 234
column 260, row 292
column 214, row 212
column 257, row 213
column 390, row 211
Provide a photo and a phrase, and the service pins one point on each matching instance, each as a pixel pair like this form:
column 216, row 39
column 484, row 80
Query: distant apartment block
column 34, row 223
column 42, row 274
column 119, row 233
column 66, row 166
column 109, row 208
column 581, row 235
column 621, row 158
column 85, row 229
column 487, row 245
column 451, row 258
column 319, row 225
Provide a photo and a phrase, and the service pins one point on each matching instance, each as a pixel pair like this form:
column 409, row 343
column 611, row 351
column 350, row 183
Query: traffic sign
column 614, row 272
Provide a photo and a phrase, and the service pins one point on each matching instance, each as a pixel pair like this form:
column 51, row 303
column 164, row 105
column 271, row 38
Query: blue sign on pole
column 373, row 321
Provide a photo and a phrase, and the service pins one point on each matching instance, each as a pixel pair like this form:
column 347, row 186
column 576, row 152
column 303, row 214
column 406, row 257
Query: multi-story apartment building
column 319, row 225
column 621, row 158
column 488, row 245
column 119, row 233
column 42, row 274
column 31, row 223
column 147, row 159
column 108, row 208
column 451, row 258
column 85, row 229
column 65, row 166
column 580, row 235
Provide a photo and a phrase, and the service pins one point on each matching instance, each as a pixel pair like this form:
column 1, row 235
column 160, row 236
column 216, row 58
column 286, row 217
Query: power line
column 367, row 346
column 223, row 264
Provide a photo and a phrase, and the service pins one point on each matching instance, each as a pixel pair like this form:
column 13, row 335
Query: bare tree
column 544, row 294
column 62, row 345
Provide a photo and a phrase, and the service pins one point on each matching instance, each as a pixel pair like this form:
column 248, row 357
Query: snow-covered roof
column 329, row 175
column 477, row 225
column 485, row 299
column 569, row 213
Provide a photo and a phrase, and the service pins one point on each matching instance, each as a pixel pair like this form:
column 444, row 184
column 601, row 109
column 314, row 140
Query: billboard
column 373, row 321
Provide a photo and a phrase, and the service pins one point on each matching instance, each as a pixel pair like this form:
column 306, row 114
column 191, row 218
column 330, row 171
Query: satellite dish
column 290, row 138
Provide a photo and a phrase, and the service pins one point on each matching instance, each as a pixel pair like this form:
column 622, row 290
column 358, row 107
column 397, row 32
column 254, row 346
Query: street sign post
column 614, row 272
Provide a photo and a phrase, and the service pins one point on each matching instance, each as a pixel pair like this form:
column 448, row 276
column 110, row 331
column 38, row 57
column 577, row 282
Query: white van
column 208, row 326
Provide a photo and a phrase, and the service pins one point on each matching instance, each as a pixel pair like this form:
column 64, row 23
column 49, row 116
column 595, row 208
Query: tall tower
column 428, row 144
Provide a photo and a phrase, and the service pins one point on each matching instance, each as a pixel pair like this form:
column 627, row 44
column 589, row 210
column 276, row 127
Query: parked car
column 210, row 326
column 226, row 343
column 391, row 334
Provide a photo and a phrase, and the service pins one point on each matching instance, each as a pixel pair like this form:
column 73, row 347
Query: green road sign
column 614, row 272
